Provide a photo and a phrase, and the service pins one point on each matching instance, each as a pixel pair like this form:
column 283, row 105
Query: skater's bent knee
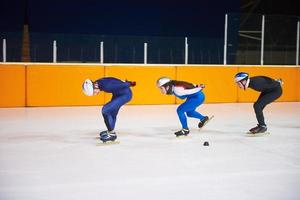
column 256, row 105
column 190, row 114
column 106, row 111
column 180, row 110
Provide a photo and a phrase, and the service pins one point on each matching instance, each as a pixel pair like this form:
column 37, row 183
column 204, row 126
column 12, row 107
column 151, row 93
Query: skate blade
column 108, row 143
column 249, row 134
column 182, row 137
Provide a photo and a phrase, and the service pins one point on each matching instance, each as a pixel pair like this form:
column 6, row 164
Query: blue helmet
column 241, row 76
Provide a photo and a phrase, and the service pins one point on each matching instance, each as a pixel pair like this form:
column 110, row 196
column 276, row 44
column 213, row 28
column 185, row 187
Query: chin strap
column 247, row 84
column 242, row 85
column 169, row 90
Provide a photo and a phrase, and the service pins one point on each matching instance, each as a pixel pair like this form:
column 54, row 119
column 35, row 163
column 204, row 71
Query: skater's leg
column 195, row 114
column 114, row 117
column 182, row 117
column 107, row 116
column 263, row 100
column 193, row 103
column 111, row 109
column 189, row 107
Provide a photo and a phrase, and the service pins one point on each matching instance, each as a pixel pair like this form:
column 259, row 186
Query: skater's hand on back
column 201, row 86
column 279, row 81
column 131, row 83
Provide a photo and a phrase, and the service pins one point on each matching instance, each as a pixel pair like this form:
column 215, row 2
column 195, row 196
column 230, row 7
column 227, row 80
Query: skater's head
column 163, row 84
column 242, row 80
column 90, row 88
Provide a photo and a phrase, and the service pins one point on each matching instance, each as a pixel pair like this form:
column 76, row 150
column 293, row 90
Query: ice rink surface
column 52, row 154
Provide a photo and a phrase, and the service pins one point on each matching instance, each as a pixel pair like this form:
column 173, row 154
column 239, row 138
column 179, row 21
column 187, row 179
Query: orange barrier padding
column 12, row 85
column 218, row 80
column 145, row 91
column 39, row 84
column 51, row 85
column 298, row 84
column 288, row 75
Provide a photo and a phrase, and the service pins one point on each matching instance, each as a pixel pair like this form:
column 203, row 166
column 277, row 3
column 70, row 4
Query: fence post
column 4, row 50
column 101, row 52
column 262, row 40
column 186, row 55
column 54, row 51
column 225, row 40
column 297, row 45
column 145, row 53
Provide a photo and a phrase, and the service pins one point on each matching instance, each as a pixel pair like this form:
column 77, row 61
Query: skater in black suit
column 270, row 91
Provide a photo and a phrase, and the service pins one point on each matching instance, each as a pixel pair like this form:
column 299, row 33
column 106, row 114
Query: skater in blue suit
column 194, row 98
column 121, row 94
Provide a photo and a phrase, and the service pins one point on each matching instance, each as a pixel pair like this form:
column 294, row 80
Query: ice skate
column 204, row 121
column 182, row 132
column 259, row 130
column 102, row 133
column 108, row 136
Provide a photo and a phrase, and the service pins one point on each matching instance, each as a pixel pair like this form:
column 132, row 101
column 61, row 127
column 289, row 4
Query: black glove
column 200, row 86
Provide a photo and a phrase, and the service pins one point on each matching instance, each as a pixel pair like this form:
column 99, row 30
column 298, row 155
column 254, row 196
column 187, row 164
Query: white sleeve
column 180, row 91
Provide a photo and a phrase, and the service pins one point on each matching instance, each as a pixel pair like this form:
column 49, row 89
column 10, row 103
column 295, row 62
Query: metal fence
column 263, row 39
column 248, row 39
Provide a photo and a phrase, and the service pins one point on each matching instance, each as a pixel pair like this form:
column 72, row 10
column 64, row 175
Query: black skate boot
column 258, row 129
column 203, row 122
column 109, row 136
column 182, row 132
column 103, row 133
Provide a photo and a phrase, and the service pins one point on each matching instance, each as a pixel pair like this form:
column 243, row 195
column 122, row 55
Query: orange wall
column 51, row 85
column 145, row 92
column 298, row 84
column 12, row 85
column 60, row 84
column 218, row 80
column 288, row 75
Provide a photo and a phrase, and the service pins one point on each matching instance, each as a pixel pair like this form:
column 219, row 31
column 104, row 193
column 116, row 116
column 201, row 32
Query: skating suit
column 121, row 94
column 270, row 91
column 194, row 98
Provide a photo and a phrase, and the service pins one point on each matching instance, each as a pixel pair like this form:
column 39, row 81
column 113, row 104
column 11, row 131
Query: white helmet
column 161, row 81
column 88, row 87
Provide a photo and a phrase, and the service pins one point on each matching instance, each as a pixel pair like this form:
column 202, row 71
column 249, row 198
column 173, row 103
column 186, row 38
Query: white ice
column 52, row 154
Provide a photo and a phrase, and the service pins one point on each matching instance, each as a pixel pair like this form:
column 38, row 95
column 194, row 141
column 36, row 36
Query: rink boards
column 47, row 84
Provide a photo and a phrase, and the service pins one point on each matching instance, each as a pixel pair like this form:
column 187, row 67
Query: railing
column 263, row 39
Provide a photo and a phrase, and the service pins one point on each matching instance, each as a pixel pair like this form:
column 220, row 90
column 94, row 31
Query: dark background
column 142, row 20
column 132, row 17
column 118, row 17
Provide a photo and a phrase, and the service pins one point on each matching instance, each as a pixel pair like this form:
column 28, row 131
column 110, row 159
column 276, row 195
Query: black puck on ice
column 205, row 143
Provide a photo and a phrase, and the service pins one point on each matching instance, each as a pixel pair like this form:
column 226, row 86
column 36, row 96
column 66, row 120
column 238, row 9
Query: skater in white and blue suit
column 194, row 98
column 121, row 94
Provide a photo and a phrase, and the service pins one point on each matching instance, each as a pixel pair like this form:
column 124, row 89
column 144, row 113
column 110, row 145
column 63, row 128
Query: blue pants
column 111, row 109
column 189, row 107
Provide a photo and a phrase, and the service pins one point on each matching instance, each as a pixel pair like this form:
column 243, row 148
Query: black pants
column 264, row 99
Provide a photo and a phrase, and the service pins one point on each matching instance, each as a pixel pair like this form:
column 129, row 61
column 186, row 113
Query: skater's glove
column 279, row 81
column 131, row 83
column 201, row 86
